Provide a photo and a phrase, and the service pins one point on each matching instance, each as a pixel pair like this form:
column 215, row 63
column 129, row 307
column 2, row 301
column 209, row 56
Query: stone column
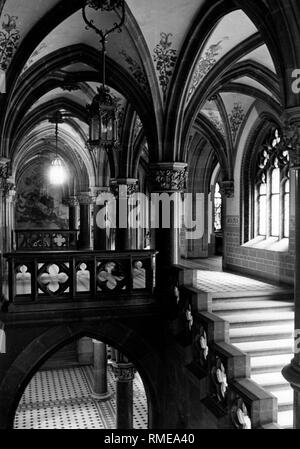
column 7, row 196
column 85, row 200
column 124, row 375
column 227, row 192
column 85, row 351
column 126, row 235
column 291, row 142
column 168, row 182
column 100, row 389
column 73, row 204
column 101, row 233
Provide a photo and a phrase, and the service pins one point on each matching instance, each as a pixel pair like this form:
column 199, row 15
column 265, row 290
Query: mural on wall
column 39, row 205
column 9, row 40
column 165, row 58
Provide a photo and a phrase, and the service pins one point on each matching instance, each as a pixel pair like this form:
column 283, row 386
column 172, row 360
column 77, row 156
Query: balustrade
column 52, row 240
column 58, row 276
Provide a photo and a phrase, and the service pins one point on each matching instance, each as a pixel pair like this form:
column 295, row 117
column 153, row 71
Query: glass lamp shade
column 57, row 173
column 103, row 121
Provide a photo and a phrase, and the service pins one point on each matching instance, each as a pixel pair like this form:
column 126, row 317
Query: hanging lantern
column 103, row 120
column 57, row 173
column 103, row 111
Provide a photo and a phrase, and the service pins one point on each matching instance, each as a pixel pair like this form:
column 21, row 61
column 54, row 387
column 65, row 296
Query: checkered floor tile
column 62, row 399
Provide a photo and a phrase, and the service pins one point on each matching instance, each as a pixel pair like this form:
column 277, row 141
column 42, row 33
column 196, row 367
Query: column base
column 102, row 397
column 291, row 373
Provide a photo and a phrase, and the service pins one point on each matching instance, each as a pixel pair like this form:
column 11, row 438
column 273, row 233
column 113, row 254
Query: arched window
column 272, row 189
column 275, row 201
column 262, row 209
column 286, row 208
column 217, row 208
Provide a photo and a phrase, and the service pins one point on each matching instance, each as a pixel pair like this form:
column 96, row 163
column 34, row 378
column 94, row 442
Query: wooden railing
column 54, row 277
column 45, row 239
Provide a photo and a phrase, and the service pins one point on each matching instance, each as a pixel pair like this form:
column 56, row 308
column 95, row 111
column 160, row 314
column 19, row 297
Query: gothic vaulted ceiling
column 172, row 67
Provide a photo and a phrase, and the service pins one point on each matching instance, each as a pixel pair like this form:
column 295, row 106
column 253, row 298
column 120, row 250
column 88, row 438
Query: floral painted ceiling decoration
column 205, row 64
column 9, row 40
column 211, row 111
column 165, row 58
column 34, row 56
column 137, row 71
column 137, row 127
column 232, row 30
column 236, row 118
column 237, row 107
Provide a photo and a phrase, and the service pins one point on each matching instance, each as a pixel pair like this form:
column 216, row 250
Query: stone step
column 269, row 364
column 257, row 317
column 271, row 381
column 261, row 322
column 256, row 333
column 269, row 347
column 238, row 306
column 284, row 397
column 285, row 419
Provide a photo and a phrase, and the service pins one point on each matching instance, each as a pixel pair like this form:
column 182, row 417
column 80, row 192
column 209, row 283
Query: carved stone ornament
column 6, row 185
column 169, row 178
column 123, row 188
column 291, row 142
column 123, row 372
column 239, row 415
column 227, row 189
column 85, row 199
column 72, row 201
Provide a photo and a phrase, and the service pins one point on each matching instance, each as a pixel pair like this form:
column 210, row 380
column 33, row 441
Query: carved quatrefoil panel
column 53, row 279
column 110, row 277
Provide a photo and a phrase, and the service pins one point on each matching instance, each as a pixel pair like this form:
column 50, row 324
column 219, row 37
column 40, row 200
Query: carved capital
column 4, row 168
column 72, row 201
column 123, row 372
column 291, row 136
column 123, row 188
column 227, row 188
column 169, row 177
column 7, row 185
column 85, row 198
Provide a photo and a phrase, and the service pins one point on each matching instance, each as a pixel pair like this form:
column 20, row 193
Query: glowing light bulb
column 57, row 173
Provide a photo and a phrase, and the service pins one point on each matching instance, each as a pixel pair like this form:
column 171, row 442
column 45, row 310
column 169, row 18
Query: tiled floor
column 62, row 399
column 211, row 279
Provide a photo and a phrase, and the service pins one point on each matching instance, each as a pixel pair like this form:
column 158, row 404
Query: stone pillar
column 73, row 203
column 124, row 375
column 227, row 192
column 291, row 142
column 100, row 389
column 7, row 197
column 170, row 180
column 85, row 351
column 101, row 234
column 85, row 201
column 126, row 235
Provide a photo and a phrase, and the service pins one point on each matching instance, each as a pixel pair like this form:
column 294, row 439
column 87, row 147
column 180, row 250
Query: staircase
column 262, row 325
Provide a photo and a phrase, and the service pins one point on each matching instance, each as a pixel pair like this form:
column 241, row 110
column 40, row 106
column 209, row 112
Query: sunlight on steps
column 261, row 317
